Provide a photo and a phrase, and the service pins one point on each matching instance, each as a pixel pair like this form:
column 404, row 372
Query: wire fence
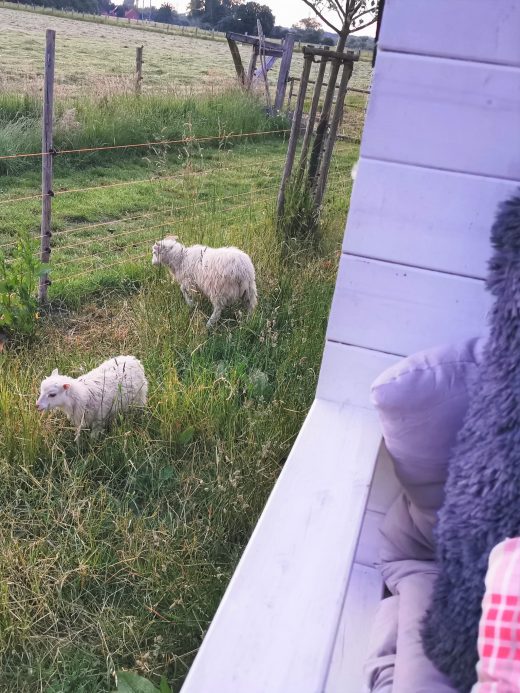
column 101, row 261
column 64, row 251
column 78, row 251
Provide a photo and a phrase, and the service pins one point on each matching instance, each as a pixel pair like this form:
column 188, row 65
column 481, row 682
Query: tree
column 165, row 14
column 248, row 14
column 308, row 30
column 349, row 15
column 196, row 8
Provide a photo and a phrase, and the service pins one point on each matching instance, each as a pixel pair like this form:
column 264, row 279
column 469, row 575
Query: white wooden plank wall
column 400, row 309
column 480, row 30
column 432, row 219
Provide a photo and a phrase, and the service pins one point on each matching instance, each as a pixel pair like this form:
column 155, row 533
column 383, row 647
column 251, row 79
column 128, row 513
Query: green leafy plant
column 129, row 682
column 19, row 275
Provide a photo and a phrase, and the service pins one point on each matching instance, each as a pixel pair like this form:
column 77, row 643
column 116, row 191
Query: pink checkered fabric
column 499, row 632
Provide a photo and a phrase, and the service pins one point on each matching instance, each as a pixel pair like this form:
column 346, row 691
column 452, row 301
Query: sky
column 286, row 12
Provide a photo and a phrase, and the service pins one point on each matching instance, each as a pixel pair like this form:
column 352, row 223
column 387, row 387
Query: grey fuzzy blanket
column 482, row 496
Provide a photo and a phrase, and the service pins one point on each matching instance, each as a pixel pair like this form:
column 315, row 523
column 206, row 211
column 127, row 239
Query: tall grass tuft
column 299, row 223
column 125, row 119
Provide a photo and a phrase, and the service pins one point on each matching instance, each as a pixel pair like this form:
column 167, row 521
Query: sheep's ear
column 55, row 372
column 66, row 386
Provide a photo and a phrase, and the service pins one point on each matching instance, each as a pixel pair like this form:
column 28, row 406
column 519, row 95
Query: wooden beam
column 343, row 57
column 252, row 66
column 235, row 54
column 253, row 41
column 288, row 46
column 295, row 133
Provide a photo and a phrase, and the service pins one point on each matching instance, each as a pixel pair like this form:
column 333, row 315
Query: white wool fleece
column 224, row 275
column 91, row 400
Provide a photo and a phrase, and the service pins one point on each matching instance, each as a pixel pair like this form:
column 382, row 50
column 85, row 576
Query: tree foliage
column 308, row 30
column 347, row 15
column 232, row 15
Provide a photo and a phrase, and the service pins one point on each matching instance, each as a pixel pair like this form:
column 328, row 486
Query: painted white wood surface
column 399, row 310
column 446, row 114
column 422, row 217
column 275, row 628
column 347, row 373
column 365, row 590
column 365, row 587
column 481, row 30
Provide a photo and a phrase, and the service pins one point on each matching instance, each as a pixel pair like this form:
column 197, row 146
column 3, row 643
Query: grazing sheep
column 91, row 400
column 224, row 275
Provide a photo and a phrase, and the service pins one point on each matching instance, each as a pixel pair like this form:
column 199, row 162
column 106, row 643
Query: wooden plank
column 424, row 217
column 237, row 60
column 275, row 48
column 351, row 647
column 343, row 56
column 399, row 310
column 276, row 625
column 252, row 66
column 347, row 372
column 454, row 29
column 444, row 114
column 283, row 75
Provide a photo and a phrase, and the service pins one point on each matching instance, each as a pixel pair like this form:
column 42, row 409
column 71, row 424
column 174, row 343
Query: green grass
column 99, row 59
column 115, row 554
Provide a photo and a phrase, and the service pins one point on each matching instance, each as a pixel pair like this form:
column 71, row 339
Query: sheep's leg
column 187, row 297
column 217, row 310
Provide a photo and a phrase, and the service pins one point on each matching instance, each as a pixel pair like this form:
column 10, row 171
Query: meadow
column 114, row 554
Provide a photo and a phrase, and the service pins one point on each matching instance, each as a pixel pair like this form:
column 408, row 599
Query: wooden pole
column 312, row 114
column 295, row 132
column 323, row 124
column 285, row 66
column 291, row 88
column 331, row 140
column 47, row 193
column 252, row 67
column 138, row 68
column 261, row 47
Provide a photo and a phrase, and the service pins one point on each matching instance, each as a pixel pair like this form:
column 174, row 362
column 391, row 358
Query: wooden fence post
column 312, row 113
column 323, row 124
column 331, row 141
column 138, row 68
column 47, row 154
column 295, row 132
column 237, row 60
column 285, row 66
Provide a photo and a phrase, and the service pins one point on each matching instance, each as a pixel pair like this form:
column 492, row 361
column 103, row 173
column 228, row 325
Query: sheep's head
column 166, row 251
column 54, row 391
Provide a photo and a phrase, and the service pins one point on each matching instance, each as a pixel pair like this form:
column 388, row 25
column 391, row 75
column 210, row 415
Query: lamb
column 95, row 398
column 224, row 275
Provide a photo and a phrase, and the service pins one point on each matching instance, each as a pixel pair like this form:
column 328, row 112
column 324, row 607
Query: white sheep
column 91, row 400
column 224, row 275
